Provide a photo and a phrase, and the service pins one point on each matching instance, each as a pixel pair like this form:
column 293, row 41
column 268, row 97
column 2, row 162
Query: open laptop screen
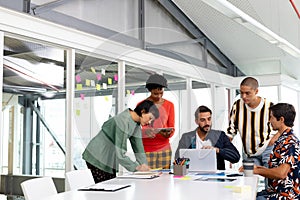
column 200, row 159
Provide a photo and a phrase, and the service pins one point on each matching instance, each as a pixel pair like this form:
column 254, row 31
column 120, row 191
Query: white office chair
column 38, row 188
column 79, row 178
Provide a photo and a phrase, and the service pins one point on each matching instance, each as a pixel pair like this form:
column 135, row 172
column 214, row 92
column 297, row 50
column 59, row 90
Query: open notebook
column 201, row 160
column 104, row 187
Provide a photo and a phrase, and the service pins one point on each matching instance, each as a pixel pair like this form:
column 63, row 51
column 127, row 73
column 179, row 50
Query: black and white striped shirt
column 252, row 124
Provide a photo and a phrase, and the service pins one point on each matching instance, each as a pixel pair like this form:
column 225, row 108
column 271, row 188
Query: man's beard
column 203, row 130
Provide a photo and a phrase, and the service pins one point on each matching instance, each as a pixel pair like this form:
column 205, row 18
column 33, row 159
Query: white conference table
column 166, row 187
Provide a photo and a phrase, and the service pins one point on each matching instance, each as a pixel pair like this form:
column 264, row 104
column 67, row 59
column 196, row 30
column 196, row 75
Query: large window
column 289, row 95
column 33, row 72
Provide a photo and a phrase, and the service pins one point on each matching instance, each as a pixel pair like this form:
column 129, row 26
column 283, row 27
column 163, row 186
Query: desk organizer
column 179, row 170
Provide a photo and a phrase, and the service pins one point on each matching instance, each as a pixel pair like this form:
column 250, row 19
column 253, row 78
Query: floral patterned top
column 286, row 150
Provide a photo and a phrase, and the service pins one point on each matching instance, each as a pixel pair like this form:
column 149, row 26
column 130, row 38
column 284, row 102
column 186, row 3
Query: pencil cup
column 179, row 170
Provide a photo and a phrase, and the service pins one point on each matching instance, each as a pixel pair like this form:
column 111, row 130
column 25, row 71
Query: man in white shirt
column 207, row 138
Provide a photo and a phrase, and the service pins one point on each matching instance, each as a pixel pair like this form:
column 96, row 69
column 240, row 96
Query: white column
column 121, row 95
column 1, row 94
column 70, row 88
column 189, row 97
column 213, row 100
column 121, row 86
column 279, row 93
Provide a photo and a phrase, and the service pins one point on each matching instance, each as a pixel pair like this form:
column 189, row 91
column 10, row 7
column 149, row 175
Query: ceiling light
column 251, row 24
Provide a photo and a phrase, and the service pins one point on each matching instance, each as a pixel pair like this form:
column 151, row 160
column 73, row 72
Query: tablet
column 215, row 179
column 167, row 129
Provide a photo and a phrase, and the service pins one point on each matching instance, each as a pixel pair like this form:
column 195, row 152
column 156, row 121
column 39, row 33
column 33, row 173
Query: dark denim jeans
column 262, row 160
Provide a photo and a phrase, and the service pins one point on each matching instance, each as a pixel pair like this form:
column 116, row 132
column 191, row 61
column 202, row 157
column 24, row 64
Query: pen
column 182, row 162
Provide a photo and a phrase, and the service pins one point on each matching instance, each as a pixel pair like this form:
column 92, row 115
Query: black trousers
column 100, row 175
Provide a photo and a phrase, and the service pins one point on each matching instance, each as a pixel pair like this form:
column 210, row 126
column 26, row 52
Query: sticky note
column 78, row 112
column 92, row 83
column 87, row 82
column 78, row 79
column 106, row 98
column 93, row 70
column 132, row 92
column 98, row 86
column 82, row 96
column 104, row 85
column 103, row 71
column 239, row 188
column 116, row 77
column 79, row 86
column 99, row 77
column 109, row 81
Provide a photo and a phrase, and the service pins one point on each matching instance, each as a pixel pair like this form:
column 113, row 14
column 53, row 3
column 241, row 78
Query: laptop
column 201, row 160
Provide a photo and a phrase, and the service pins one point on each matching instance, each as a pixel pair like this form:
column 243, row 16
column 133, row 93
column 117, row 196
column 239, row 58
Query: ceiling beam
column 172, row 8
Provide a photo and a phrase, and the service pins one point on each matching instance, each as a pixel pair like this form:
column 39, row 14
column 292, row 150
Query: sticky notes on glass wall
column 130, row 92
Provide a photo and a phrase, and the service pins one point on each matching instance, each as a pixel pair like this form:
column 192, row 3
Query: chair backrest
column 79, row 178
column 37, row 188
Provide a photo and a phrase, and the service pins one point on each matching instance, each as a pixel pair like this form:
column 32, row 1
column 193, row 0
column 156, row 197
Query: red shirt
column 166, row 119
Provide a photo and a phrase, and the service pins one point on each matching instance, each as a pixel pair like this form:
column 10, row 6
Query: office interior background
column 69, row 65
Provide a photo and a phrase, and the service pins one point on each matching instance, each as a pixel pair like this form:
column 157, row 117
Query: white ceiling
column 250, row 52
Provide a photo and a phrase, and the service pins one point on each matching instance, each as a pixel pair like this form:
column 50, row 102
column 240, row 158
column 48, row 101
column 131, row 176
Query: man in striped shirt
column 250, row 117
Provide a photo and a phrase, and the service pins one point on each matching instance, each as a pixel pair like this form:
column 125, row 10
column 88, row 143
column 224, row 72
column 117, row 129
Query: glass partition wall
column 95, row 100
column 34, row 103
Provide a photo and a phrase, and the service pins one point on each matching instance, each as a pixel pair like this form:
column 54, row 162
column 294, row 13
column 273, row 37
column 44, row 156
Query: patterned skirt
column 159, row 159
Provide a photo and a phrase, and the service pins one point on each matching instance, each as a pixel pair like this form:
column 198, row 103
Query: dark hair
column 201, row 109
column 156, row 81
column 251, row 82
column 285, row 110
column 147, row 106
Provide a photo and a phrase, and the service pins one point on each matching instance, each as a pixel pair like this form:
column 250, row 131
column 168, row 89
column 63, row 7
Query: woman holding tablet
column 156, row 135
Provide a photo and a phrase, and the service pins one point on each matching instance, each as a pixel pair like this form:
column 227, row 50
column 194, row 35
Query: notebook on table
column 141, row 175
column 104, row 187
column 201, row 160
